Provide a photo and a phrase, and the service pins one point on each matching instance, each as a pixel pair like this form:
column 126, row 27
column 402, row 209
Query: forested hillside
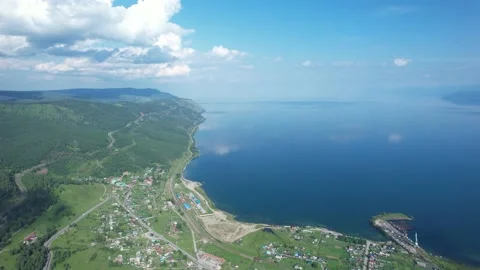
column 79, row 140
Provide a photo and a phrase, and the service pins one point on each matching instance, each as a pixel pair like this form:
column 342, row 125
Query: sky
column 240, row 50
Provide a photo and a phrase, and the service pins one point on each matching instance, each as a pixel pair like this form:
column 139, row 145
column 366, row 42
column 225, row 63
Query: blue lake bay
column 337, row 164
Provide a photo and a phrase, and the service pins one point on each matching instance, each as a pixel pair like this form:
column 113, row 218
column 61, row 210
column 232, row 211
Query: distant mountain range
column 106, row 95
column 470, row 97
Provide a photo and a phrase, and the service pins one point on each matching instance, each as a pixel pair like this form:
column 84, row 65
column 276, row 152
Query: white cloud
column 172, row 43
column 17, row 64
column 9, row 45
column 53, row 68
column 86, row 67
column 128, row 54
column 49, row 22
column 401, row 62
column 247, row 66
column 84, row 45
column 226, row 53
column 94, row 37
column 307, row 63
column 222, row 149
column 278, row 59
column 395, row 138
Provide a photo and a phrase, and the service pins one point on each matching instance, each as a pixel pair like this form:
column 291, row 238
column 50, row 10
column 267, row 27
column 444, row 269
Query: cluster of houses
column 190, row 200
column 123, row 181
column 278, row 253
column 377, row 252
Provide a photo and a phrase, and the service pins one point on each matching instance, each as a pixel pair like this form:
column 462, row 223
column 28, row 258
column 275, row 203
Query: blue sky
column 249, row 49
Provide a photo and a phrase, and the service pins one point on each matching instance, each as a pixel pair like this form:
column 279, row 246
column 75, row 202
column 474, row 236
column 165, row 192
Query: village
column 143, row 194
column 130, row 243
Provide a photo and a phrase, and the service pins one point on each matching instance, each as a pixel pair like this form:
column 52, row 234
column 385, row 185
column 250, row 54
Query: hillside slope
column 81, row 140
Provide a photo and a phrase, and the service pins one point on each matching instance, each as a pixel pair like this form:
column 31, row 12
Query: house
column 148, row 181
column 30, row 238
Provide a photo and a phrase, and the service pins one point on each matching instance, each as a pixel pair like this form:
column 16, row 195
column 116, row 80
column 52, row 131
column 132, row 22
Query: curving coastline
column 221, row 218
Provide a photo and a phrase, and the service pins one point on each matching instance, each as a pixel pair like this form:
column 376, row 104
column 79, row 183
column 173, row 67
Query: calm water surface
column 337, row 164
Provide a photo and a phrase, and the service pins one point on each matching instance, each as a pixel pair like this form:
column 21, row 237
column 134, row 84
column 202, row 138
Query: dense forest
column 78, row 138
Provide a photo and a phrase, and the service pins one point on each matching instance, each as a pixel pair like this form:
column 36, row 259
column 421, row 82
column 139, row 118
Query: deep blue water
column 337, row 164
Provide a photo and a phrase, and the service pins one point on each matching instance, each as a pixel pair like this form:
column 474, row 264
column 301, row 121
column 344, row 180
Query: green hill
column 83, row 134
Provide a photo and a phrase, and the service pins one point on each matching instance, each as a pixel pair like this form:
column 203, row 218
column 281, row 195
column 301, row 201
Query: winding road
column 18, row 176
column 112, row 139
column 62, row 231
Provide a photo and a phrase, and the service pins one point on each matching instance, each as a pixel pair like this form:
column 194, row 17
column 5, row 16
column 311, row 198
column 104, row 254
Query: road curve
column 62, row 231
column 18, row 176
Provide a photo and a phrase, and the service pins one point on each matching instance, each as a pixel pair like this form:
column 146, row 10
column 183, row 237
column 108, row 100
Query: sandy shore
column 222, row 225
column 219, row 224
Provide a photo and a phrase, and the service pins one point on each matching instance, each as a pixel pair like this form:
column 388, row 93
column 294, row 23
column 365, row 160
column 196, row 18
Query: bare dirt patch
column 42, row 171
column 220, row 227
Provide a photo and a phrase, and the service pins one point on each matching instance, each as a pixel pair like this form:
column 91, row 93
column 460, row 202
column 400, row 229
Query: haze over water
column 337, row 164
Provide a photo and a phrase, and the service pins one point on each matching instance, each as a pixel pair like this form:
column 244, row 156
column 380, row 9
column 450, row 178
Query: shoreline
column 223, row 215
column 439, row 260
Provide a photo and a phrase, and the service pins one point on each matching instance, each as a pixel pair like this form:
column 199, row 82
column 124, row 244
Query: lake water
column 337, row 164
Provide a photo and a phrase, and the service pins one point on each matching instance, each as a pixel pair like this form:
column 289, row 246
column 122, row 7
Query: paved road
column 62, row 231
column 365, row 259
column 159, row 236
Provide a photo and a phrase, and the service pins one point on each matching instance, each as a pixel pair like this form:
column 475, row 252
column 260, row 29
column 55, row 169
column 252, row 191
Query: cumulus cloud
column 49, row 22
column 395, row 138
column 222, row 149
column 307, row 63
column 9, row 45
column 94, row 37
column 401, row 62
column 87, row 67
column 226, row 53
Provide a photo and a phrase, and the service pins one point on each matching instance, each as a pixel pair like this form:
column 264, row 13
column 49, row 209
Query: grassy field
column 162, row 225
column 81, row 259
column 75, row 199
column 78, row 241
column 332, row 250
column 231, row 258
